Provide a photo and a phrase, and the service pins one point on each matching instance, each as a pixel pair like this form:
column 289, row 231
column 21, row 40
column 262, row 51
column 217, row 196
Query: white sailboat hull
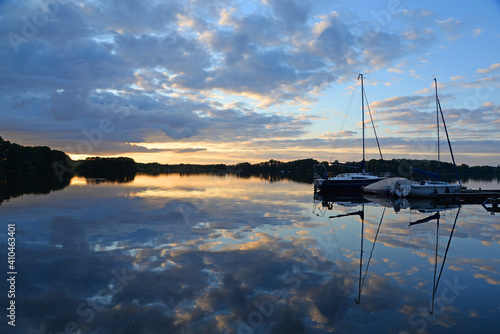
column 430, row 189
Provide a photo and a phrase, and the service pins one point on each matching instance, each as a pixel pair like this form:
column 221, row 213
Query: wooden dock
column 469, row 196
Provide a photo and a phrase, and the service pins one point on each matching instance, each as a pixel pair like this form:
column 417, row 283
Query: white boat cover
column 393, row 186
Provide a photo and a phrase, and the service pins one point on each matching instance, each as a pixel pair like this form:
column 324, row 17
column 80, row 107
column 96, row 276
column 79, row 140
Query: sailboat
column 346, row 182
column 428, row 188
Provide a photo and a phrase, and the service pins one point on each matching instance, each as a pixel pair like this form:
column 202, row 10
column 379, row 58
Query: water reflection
column 16, row 186
column 425, row 216
column 11, row 187
column 491, row 205
column 433, row 210
column 220, row 254
column 115, row 179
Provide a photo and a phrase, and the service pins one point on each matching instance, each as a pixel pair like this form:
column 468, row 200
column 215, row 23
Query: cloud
column 492, row 68
column 451, row 28
column 382, row 49
column 293, row 13
column 339, row 134
column 395, row 70
column 189, row 150
column 400, row 102
column 419, row 38
column 477, row 32
column 334, row 40
column 167, row 71
column 457, row 78
column 129, row 16
column 468, row 123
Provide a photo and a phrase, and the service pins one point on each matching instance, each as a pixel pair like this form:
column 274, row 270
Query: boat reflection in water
column 491, row 205
column 437, row 277
column 432, row 212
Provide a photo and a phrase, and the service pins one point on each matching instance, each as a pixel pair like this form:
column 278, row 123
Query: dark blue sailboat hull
column 345, row 185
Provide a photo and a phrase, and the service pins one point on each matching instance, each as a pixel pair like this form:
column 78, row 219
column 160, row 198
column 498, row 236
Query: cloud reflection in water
column 219, row 254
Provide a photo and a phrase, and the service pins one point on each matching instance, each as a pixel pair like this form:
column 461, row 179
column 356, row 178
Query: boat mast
column 437, row 123
column 362, row 120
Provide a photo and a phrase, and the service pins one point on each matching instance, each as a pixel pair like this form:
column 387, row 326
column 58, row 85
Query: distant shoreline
column 44, row 162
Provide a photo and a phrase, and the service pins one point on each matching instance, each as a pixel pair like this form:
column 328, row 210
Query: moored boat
column 428, row 188
column 394, row 186
column 347, row 182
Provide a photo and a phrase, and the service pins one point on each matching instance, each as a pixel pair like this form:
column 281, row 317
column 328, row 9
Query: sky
column 228, row 81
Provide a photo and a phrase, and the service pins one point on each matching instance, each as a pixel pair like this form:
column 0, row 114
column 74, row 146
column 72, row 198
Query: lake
column 222, row 254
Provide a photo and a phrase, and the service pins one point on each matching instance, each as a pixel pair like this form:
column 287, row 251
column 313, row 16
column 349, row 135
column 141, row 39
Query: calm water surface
column 220, row 254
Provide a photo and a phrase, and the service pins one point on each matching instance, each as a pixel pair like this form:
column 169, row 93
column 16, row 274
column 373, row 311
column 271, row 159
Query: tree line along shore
column 43, row 162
